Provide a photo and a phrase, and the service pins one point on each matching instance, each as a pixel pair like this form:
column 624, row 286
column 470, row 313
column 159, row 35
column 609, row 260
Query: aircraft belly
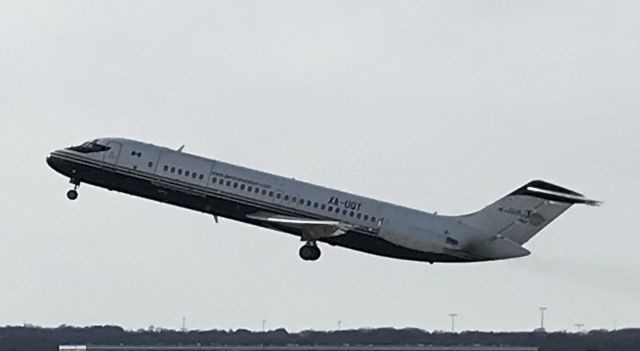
column 413, row 237
column 378, row 246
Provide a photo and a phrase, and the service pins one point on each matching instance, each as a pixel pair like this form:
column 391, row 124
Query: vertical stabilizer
column 520, row 215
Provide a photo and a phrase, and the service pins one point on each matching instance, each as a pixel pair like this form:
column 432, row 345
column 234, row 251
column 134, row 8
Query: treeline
column 48, row 339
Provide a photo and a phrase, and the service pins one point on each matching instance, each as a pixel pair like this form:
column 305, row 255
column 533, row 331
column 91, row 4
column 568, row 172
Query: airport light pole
column 453, row 321
column 264, row 322
column 339, row 325
column 579, row 327
column 542, row 309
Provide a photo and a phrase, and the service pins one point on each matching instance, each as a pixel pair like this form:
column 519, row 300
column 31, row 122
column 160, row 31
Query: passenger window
column 186, row 173
column 277, row 195
column 221, row 181
column 344, row 212
column 258, row 191
column 322, row 207
column 228, row 183
column 249, row 188
column 150, row 164
column 166, row 168
column 293, row 200
column 264, row 192
column 373, row 219
column 286, row 197
column 214, row 180
column 351, row 214
column 366, row 217
column 179, row 170
column 241, row 186
column 173, row 169
column 301, row 201
column 201, row 177
column 330, row 209
column 194, row 175
column 337, row 210
column 358, row 216
column 315, row 205
column 235, row 185
column 308, row 203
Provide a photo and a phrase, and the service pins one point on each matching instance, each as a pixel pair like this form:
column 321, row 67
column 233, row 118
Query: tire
column 72, row 195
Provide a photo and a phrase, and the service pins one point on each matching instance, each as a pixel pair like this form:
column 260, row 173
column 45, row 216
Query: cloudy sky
column 442, row 106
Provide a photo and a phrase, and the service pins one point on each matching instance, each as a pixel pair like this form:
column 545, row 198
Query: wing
column 312, row 229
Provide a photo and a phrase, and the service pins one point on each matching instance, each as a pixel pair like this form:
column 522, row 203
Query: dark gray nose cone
column 56, row 164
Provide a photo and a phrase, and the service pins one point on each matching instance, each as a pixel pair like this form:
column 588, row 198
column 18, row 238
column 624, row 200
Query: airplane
column 314, row 213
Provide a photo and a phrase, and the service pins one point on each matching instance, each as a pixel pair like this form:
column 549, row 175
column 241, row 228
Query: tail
column 504, row 226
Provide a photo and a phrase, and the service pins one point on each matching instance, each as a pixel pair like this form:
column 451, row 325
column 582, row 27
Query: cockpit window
column 90, row 147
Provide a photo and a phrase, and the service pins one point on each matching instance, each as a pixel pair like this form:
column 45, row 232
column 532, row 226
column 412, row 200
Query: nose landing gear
column 73, row 193
column 310, row 251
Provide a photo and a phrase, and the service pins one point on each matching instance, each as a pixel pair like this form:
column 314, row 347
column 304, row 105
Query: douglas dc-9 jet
column 311, row 212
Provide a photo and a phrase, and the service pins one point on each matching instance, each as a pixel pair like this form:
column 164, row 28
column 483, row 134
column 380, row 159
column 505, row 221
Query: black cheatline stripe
column 180, row 186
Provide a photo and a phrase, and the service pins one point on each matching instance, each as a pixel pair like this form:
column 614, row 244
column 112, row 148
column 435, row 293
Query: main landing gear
column 310, row 251
column 73, row 193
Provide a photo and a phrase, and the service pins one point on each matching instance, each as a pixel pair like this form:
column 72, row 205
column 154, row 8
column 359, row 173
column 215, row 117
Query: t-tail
column 504, row 226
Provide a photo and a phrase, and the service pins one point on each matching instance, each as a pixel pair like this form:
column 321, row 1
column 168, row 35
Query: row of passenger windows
column 269, row 193
column 180, row 171
column 293, row 199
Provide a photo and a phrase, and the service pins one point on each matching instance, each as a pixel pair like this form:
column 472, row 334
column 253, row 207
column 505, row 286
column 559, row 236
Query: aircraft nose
column 54, row 162
column 51, row 162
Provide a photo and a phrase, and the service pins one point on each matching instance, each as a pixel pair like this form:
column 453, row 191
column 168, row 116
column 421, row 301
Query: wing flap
column 311, row 229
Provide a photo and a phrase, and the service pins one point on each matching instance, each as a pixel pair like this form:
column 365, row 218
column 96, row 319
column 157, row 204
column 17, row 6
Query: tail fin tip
column 548, row 191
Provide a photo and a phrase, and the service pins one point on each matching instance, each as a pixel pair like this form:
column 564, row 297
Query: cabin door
column 112, row 155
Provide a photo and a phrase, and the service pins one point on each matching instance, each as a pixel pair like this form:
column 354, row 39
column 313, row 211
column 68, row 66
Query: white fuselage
column 268, row 200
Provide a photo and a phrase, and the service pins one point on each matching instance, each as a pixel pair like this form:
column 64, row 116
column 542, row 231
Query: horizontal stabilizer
column 552, row 192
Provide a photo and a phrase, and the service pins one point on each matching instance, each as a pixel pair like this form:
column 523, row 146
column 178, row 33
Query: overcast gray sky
column 442, row 106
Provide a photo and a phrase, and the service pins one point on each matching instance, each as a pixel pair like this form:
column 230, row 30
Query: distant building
column 293, row 348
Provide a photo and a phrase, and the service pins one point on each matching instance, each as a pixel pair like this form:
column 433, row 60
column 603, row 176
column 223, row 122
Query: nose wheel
column 73, row 193
column 310, row 251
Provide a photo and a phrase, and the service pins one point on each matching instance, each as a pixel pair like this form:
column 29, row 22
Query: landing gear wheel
column 72, row 194
column 310, row 252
